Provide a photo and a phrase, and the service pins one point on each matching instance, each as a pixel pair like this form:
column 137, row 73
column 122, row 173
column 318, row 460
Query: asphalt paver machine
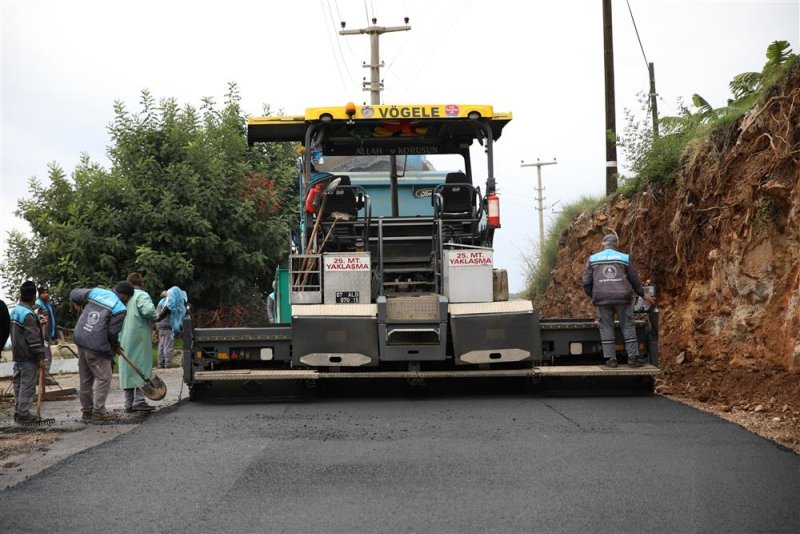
column 391, row 272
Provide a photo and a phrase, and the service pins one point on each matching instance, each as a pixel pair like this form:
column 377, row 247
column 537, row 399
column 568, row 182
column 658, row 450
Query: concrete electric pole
column 540, row 198
column 374, row 86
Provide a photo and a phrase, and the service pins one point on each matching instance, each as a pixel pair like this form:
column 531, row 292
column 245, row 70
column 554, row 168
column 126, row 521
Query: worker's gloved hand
column 650, row 299
column 118, row 350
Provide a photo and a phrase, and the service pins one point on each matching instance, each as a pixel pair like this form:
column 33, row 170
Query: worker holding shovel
column 137, row 342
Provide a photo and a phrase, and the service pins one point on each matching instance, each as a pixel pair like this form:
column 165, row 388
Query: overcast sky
column 65, row 63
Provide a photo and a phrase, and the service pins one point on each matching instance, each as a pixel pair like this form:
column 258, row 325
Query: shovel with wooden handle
column 154, row 388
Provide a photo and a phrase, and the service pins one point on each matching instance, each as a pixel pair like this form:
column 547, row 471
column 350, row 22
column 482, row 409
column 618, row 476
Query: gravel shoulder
column 25, row 451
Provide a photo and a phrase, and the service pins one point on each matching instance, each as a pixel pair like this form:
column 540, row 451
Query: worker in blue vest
column 102, row 314
column 611, row 280
column 27, row 347
column 50, row 330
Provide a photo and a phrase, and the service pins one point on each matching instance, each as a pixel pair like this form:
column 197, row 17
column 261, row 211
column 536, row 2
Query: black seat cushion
column 457, row 198
column 342, row 199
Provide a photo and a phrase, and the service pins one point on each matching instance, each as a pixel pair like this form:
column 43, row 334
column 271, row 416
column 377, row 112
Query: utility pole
column 611, row 111
column 375, row 85
column 539, row 198
column 653, row 101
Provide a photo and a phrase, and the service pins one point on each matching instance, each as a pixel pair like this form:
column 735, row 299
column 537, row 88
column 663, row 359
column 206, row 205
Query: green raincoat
column 136, row 339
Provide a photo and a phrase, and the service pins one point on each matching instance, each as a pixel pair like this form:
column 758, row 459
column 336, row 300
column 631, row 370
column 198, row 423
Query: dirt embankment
column 722, row 246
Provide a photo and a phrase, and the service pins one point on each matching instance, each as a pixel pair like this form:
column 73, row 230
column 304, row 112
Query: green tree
column 657, row 159
column 185, row 202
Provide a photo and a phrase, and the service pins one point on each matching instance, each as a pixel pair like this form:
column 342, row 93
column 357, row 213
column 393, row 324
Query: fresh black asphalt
column 462, row 458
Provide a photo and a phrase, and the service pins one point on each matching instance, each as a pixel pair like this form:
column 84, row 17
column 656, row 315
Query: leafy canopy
column 185, row 202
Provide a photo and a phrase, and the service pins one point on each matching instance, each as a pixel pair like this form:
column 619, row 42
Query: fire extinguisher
column 312, row 200
column 493, row 208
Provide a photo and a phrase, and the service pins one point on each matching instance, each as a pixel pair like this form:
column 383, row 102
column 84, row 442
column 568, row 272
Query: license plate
column 347, row 297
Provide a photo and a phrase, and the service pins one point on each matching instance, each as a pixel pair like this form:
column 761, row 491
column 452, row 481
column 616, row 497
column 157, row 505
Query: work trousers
column 605, row 319
column 48, row 353
column 94, row 369
column 26, row 375
column 164, row 348
column 134, row 397
column 48, row 356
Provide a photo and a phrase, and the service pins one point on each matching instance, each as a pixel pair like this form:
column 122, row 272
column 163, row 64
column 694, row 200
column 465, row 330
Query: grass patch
column 539, row 268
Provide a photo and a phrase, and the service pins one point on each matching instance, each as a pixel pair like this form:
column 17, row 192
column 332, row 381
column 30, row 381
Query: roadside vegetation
column 657, row 159
column 185, row 203
column 539, row 265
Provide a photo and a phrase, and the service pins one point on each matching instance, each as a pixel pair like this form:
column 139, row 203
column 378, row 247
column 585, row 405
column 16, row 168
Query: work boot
column 104, row 417
column 635, row 362
column 142, row 408
column 611, row 362
column 86, row 417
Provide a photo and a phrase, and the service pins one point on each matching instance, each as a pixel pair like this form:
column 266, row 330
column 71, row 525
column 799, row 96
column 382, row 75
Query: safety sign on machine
column 346, row 263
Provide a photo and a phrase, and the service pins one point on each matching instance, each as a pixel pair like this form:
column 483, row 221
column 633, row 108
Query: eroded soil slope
column 722, row 246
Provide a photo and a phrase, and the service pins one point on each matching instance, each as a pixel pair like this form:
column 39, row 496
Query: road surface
column 463, row 458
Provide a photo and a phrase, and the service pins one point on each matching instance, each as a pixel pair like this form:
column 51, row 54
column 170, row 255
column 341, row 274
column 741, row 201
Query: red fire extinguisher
column 493, row 208
column 312, row 200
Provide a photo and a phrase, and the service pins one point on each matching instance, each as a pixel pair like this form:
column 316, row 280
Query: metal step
column 404, row 238
column 596, row 370
column 408, row 269
column 541, row 371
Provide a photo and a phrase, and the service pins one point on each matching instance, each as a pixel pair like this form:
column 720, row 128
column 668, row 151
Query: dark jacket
column 27, row 343
column 610, row 278
column 163, row 321
column 101, row 320
column 5, row 324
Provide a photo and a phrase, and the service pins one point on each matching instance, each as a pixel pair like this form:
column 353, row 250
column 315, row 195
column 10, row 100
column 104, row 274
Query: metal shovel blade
column 154, row 389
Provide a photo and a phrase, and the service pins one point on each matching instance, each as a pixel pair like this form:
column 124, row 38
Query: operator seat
column 342, row 200
column 457, row 208
column 458, row 201
column 341, row 231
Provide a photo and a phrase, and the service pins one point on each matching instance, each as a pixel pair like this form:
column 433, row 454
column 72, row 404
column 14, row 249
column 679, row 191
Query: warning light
column 350, row 109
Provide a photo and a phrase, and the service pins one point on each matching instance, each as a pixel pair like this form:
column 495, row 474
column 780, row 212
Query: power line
column 423, row 19
column 338, row 42
column 400, row 80
column 646, row 63
column 442, row 37
column 366, row 11
column 338, row 67
column 652, row 101
column 346, row 42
